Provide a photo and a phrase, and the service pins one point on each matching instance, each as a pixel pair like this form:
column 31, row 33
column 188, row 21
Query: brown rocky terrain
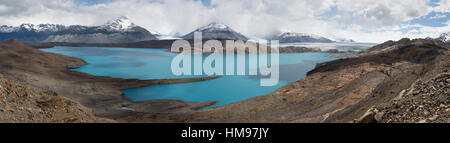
column 19, row 103
column 424, row 101
column 397, row 81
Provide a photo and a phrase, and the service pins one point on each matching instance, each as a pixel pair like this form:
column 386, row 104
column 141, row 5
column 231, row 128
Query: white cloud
column 382, row 18
column 438, row 16
column 378, row 13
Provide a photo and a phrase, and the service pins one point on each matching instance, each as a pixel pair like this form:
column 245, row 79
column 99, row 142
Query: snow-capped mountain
column 217, row 31
column 445, row 37
column 119, row 24
column 290, row 37
column 29, row 32
column 7, row 29
column 31, row 28
column 119, row 30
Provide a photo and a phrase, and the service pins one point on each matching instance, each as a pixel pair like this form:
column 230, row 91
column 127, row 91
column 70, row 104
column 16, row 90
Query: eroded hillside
column 342, row 90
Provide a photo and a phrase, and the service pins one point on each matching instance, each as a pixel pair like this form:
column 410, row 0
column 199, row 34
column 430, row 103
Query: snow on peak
column 119, row 24
column 48, row 27
column 32, row 27
column 214, row 26
column 27, row 26
column 154, row 32
column 445, row 37
column 7, row 29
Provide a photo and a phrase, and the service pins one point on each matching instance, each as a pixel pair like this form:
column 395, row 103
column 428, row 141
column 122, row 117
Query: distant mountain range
column 217, row 31
column 122, row 30
column 343, row 40
column 290, row 37
column 223, row 32
column 119, row 30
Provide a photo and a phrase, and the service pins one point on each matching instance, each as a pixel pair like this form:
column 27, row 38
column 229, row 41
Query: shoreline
column 150, row 82
column 166, row 44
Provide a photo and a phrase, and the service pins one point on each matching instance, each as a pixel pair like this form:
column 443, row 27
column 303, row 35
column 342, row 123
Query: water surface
column 144, row 63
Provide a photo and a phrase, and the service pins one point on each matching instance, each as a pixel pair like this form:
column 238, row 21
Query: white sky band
column 361, row 20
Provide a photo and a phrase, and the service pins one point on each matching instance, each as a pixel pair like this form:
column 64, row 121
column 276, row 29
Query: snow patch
column 214, row 27
column 119, row 24
column 445, row 37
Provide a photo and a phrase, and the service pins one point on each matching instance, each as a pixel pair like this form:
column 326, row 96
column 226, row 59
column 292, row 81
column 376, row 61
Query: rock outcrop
column 425, row 101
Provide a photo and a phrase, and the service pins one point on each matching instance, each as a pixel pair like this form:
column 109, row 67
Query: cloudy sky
column 361, row 20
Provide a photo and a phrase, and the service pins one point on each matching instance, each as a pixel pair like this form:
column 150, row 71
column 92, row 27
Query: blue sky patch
column 434, row 3
column 433, row 19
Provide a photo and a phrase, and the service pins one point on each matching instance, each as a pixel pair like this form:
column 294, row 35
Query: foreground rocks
column 425, row 101
column 19, row 103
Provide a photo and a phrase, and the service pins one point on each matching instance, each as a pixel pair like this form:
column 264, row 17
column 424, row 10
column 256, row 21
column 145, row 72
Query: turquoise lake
column 143, row 63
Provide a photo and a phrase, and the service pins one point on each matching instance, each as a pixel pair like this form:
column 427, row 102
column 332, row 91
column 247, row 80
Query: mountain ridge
column 217, row 31
column 119, row 30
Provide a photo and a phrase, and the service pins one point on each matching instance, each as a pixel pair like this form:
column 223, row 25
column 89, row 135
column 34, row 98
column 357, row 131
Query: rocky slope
column 120, row 30
column 341, row 90
column 216, row 31
column 19, row 103
column 424, row 101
